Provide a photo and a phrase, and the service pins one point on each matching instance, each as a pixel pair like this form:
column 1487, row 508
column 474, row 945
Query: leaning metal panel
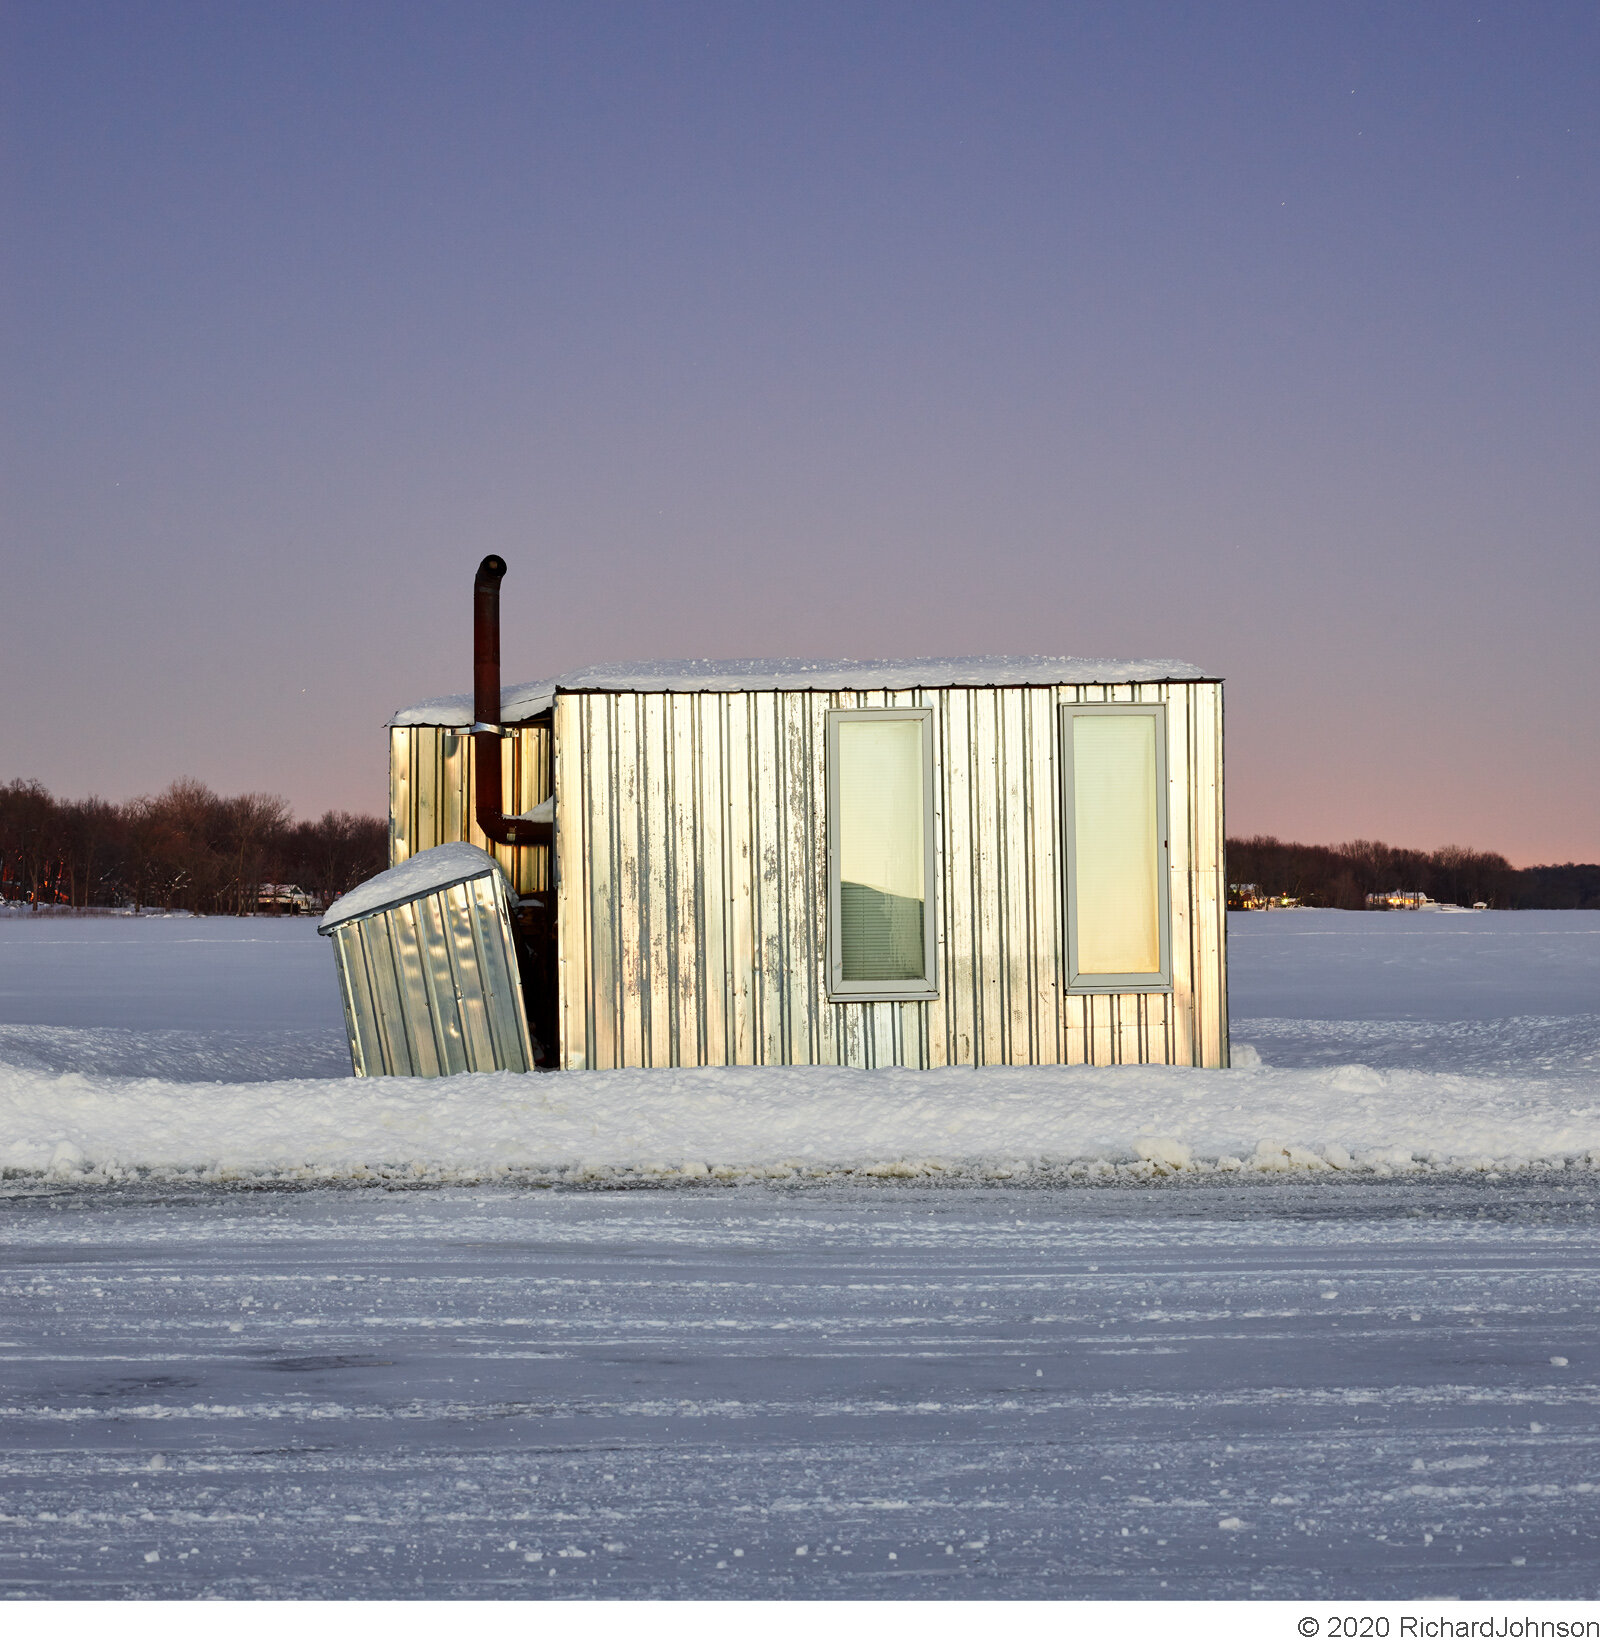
column 431, row 986
column 692, row 896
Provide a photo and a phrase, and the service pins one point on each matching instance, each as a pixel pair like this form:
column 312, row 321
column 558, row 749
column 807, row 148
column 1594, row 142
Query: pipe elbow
column 509, row 829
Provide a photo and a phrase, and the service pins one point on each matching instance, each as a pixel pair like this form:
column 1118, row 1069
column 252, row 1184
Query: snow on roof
column 424, row 873
column 527, row 699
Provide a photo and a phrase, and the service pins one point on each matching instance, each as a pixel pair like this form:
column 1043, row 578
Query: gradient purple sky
column 1261, row 335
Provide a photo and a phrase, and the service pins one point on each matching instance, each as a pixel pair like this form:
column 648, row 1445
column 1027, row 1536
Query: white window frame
column 914, row 990
column 1078, row 982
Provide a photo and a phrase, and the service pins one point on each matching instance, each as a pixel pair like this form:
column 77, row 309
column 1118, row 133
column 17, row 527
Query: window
column 880, row 854
column 1114, row 785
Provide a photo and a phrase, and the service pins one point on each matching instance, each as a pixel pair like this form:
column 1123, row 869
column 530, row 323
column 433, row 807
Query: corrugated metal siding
column 691, row 840
column 430, row 796
column 431, row 987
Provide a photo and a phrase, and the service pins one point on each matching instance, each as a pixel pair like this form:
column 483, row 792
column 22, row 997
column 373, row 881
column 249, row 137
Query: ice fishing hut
column 924, row 862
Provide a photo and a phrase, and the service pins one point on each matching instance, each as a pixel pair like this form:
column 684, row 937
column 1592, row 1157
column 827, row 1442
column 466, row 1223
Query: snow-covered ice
column 996, row 1334
column 1425, row 1052
column 196, row 999
column 1320, row 1390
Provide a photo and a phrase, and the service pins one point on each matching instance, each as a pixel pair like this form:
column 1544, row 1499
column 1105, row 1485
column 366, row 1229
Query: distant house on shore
column 1247, row 896
column 1397, row 899
column 285, row 899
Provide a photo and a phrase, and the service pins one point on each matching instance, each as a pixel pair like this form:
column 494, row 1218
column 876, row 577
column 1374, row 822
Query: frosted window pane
column 1118, row 857
column 880, row 849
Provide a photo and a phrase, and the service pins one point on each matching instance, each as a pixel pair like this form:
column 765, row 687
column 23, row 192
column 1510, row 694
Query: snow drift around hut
column 223, row 1066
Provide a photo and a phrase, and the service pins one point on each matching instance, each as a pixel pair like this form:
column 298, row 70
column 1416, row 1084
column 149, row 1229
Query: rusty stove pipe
column 493, row 821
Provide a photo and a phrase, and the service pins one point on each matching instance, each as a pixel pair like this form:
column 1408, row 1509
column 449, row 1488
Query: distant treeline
column 187, row 848
column 1344, row 875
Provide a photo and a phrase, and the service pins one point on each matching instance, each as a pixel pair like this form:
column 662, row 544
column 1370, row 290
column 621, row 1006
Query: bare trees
column 1344, row 875
column 191, row 848
column 186, row 847
column 253, row 828
column 89, row 833
column 336, row 852
column 28, row 836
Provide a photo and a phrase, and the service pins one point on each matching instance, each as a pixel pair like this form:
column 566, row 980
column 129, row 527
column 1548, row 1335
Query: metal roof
column 423, row 873
column 524, row 700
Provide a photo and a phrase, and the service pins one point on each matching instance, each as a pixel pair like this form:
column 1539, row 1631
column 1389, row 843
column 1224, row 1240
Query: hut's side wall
column 692, row 859
column 430, row 796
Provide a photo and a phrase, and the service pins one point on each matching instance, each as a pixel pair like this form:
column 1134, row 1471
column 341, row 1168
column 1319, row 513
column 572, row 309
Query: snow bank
column 1387, row 1042
column 1142, row 1121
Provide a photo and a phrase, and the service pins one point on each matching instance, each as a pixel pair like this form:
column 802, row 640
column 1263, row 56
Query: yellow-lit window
column 1118, row 928
column 880, row 854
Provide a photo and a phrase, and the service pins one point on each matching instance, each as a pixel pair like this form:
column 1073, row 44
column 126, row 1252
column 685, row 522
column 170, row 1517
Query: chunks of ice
column 66, row 1159
column 1386, row 1158
column 1168, row 1154
column 1272, row 1154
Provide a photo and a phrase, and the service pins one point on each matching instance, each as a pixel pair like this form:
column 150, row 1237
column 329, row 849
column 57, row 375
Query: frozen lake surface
column 1373, row 1043
column 1175, row 1392
column 190, row 999
column 1331, row 1385
column 1480, row 992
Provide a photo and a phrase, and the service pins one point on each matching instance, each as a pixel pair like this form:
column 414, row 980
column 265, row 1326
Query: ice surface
column 1337, row 1094
column 525, row 699
column 1293, row 1392
column 188, row 1000
column 235, row 975
column 1438, row 967
column 1484, row 994
column 423, row 873
column 1282, row 1379
column 177, row 1056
